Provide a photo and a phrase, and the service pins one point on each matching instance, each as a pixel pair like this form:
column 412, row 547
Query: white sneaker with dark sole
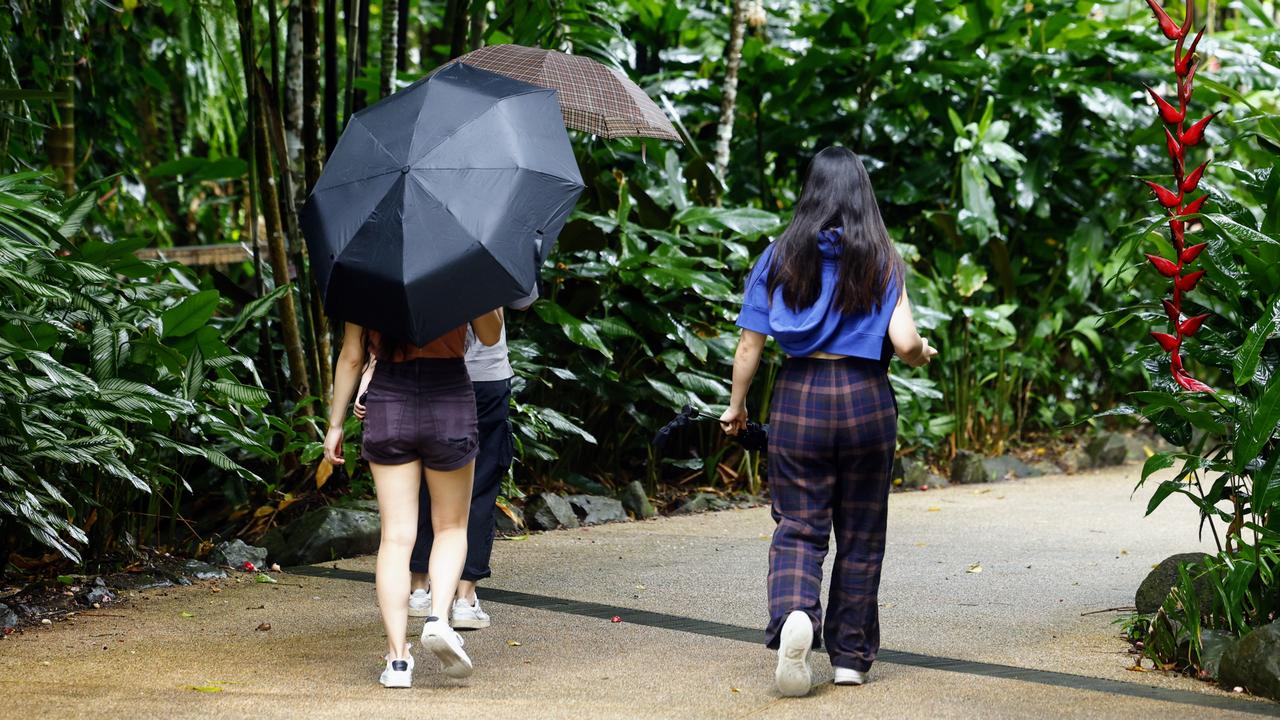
column 420, row 603
column 469, row 617
column 446, row 645
column 399, row 673
column 793, row 676
column 849, row 676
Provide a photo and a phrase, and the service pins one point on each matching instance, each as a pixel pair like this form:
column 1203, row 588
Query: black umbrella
column 440, row 203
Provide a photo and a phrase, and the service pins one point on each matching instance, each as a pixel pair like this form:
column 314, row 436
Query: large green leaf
column 1258, row 426
column 1246, row 360
column 189, row 315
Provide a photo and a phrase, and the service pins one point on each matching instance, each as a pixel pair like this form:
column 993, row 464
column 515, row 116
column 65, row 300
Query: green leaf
column 1155, row 463
column 743, row 221
column 969, row 276
column 1246, row 360
column 1258, row 426
column 189, row 315
column 255, row 309
column 578, row 331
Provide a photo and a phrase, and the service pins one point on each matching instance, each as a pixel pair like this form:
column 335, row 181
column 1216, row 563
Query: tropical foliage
column 1001, row 137
column 1228, row 463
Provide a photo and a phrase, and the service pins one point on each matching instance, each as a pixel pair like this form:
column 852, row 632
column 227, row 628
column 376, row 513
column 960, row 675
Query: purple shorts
column 423, row 410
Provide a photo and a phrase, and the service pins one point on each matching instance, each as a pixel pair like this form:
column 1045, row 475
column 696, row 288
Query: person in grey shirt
column 491, row 373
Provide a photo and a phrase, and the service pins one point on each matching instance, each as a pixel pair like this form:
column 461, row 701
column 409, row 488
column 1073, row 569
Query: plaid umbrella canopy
column 593, row 98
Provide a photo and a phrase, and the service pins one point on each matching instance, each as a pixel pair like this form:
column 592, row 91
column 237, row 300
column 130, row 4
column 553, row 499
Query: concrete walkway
column 1021, row 638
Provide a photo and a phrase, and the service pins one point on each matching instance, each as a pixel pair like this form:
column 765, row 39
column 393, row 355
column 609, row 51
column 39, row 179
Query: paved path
column 1011, row 641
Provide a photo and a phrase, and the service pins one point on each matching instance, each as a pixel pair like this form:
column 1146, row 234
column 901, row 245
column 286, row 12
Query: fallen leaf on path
column 264, row 578
column 983, row 491
column 517, row 538
column 263, row 627
column 935, row 508
column 46, row 621
column 922, row 544
column 275, row 567
column 640, row 587
column 1137, row 668
column 615, row 619
column 734, row 690
column 975, row 568
column 513, row 643
column 206, row 688
column 186, row 614
column 66, row 579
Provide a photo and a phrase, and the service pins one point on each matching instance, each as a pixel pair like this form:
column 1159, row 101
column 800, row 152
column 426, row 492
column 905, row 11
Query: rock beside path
column 969, row 468
column 596, row 509
column 911, row 474
column 549, row 511
column 205, row 571
column 235, row 553
column 508, row 519
column 1253, row 662
column 1107, row 449
column 324, row 534
column 1008, row 467
column 702, row 502
column 636, row 501
column 8, row 618
column 1155, row 588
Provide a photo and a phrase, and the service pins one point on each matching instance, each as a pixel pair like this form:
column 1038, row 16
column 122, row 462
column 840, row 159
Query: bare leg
column 419, row 581
column 397, row 488
column 467, row 590
column 450, row 506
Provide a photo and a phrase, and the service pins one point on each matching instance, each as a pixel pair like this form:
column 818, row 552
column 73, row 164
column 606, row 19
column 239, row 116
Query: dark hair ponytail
column 837, row 193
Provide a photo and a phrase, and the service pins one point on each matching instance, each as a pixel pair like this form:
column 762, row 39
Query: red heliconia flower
column 1195, row 133
column 1187, row 283
column 1177, row 140
column 1194, row 206
column 1167, row 25
column 1183, row 65
column 1166, row 268
column 1189, row 255
column 1192, row 181
column 1188, row 327
column 1172, row 145
column 1171, row 114
column 1167, row 197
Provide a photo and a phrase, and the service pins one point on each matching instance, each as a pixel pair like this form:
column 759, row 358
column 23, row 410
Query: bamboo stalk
column 330, row 78
column 390, row 34
column 729, row 100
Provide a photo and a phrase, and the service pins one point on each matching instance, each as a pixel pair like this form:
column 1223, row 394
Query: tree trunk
column 268, row 202
column 729, row 102
column 390, row 34
column 458, row 27
column 353, row 59
column 478, row 12
column 273, row 32
column 294, row 97
column 60, row 139
column 311, row 142
column 330, row 76
column 313, row 148
column 362, row 48
column 402, row 36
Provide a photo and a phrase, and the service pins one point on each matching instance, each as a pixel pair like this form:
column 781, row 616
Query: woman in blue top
column 831, row 292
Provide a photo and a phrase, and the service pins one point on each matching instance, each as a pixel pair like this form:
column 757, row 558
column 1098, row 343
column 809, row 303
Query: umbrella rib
column 356, row 120
column 352, row 182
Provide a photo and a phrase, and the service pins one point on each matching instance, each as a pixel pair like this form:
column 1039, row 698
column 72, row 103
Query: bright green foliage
column 1229, row 463
column 116, row 384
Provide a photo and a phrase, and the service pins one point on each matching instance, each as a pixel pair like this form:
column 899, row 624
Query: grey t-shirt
column 489, row 363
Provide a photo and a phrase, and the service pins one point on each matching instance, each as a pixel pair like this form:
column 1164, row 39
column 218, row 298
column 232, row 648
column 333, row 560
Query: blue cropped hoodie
column 820, row 327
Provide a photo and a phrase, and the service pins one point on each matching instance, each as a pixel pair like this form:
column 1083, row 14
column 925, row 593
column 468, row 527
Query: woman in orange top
column 421, row 414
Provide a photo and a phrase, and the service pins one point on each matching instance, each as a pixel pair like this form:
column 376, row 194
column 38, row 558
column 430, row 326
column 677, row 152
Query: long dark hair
column 837, row 193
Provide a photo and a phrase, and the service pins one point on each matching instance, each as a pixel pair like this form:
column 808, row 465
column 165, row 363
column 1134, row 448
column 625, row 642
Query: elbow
column 911, row 352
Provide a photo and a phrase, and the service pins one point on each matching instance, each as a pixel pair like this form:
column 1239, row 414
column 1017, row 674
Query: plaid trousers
column 832, row 432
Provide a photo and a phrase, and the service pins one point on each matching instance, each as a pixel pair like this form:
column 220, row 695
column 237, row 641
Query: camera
column 755, row 437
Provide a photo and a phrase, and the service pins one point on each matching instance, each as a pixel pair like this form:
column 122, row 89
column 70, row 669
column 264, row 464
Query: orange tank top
column 452, row 344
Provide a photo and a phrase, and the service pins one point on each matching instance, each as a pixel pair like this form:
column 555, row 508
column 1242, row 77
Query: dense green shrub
column 119, row 392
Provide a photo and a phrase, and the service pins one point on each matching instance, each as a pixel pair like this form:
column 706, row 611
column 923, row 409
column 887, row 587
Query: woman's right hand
column 927, row 353
column 734, row 420
column 333, row 445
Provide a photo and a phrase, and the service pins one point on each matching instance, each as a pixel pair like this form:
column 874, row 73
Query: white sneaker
column 469, row 617
column 445, row 644
column 849, row 676
column 420, row 603
column 399, row 673
column 793, row 676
